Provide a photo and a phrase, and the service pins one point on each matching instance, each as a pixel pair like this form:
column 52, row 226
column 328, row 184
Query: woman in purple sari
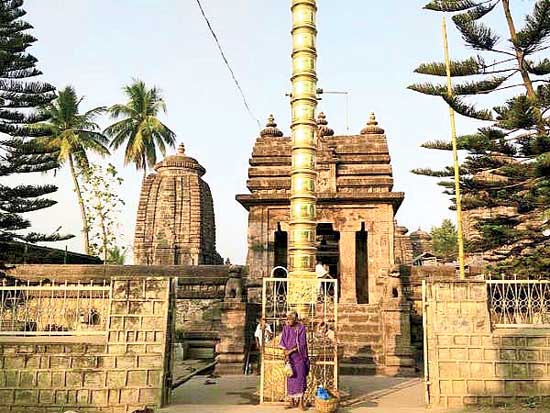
column 294, row 343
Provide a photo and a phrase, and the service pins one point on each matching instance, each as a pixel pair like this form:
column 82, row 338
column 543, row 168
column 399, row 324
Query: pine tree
column 506, row 173
column 444, row 239
column 18, row 153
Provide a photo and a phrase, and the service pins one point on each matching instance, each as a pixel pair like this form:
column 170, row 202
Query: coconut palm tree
column 72, row 135
column 139, row 127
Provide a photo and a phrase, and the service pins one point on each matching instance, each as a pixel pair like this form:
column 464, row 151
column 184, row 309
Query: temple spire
column 322, row 125
column 372, row 127
column 271, row 129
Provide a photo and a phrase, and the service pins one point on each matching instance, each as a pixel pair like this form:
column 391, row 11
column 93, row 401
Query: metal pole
column 303, row 214
column 455, row 157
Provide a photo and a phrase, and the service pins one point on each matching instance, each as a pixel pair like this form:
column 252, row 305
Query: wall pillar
column 348, row 280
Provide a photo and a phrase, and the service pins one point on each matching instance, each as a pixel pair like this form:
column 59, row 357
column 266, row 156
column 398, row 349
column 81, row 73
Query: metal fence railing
column 53, row 309
column 519, row 303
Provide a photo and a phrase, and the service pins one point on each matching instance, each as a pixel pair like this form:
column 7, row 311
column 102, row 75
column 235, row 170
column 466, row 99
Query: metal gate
column 318, row 306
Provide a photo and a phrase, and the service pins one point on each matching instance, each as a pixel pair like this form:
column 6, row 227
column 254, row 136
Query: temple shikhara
column 175, row 221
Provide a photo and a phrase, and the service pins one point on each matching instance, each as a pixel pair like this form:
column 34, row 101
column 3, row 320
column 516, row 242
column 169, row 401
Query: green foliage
column 540, row 68
column 467, row 110
column 19, row 99
column 101, row 187
column 140, row 129
column 445, row 241
column 70, row 135
column 505, row 173
column 468, row 67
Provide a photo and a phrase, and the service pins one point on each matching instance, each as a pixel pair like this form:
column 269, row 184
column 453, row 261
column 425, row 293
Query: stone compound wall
column 471, row 363
column 117, row 373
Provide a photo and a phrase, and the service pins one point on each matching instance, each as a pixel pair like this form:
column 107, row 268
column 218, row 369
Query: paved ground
column 236, row 395
column 369, row 394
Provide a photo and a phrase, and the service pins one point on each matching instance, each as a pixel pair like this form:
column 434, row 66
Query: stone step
column 358, row 369
column 362, row 318
column 359, row 328
column 359, row 337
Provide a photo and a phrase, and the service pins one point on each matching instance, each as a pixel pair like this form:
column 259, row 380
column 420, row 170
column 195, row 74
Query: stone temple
column 175, row 221
column 356, row 207
column 357, row 237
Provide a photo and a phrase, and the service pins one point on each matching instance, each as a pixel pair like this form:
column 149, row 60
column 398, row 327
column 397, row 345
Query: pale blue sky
column 366, row 47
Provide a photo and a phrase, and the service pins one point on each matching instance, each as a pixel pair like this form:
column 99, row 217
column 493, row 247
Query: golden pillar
column 303, row 215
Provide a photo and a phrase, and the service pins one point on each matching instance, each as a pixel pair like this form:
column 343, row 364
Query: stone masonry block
column 132, row 322
column 46, row 397
column 126, row 362
column 140, row 307
column 528, row 355
column 458, row 387
column 129, row 395
column 475, row 354
column 461, row 340
column 476, row 387
column 27, row 379
column 154, row 378
column 519, row 371
column 6, row 397
column 114, row 396
column 84, row 362
column 94, row 378
column 149, row 396
column 61, row 397
column 73, row 379
column 14, row 362
column 151, row 361
column 533, row 342
column 27, row 397
column 464, row 370
column 154, row 348
column 60, row 362
column 57, row 379
column 494, row 387
column 116, row 379
column 508, row 354
column 459, row 354
column 135, row 348
column 482, row 370
column 83, row 397
column 116, row 348
column 537, row 370
column 447, row 370
column 137, row 378
column 100, row 397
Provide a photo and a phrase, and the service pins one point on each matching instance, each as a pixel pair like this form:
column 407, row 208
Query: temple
column 175, row 221
column 357, row 238
column 356, row 207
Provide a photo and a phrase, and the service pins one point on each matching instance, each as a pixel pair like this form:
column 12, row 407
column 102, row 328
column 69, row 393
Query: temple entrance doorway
column 280, row 252
column 328, row 251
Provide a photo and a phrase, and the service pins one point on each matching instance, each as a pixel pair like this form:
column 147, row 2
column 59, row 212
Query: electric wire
column 241, row 91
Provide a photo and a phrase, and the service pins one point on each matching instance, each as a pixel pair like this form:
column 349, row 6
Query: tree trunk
column 103, row 236
column 85, row 229
column 531, row 94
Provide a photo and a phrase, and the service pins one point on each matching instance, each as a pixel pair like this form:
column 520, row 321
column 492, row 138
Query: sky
column 367, row 48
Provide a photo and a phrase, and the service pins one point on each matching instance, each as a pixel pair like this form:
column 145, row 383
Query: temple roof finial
column 271, row 129
column 372, row 127
column 322, row 123
column 181, row 149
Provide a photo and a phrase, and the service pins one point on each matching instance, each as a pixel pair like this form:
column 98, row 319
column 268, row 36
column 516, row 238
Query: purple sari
column 299, row 360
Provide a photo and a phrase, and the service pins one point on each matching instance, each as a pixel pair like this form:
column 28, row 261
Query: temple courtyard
column 376, row 394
